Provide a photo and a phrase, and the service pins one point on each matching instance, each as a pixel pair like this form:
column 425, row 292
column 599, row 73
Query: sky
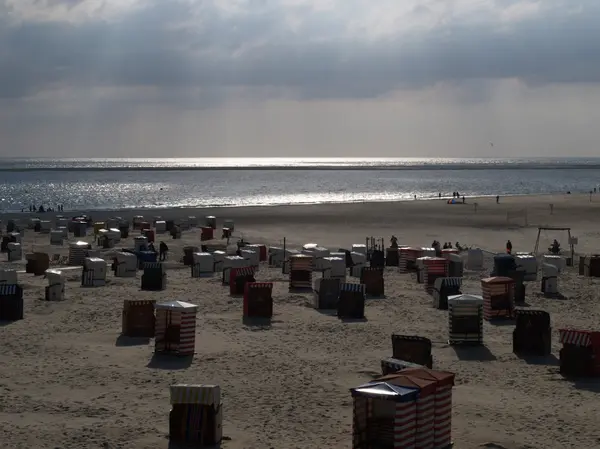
column 314, row 78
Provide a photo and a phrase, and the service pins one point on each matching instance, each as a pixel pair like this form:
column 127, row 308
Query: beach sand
column 65, row 382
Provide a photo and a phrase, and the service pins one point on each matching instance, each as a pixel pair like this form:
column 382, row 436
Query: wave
column 256, row 204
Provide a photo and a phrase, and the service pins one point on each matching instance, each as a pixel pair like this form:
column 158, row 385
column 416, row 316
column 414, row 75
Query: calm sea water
column 156, row 183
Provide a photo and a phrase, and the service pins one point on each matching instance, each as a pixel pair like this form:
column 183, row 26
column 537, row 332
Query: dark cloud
column 178, row 44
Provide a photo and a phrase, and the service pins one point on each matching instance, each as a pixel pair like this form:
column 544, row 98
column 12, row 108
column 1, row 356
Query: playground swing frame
column 374, row 244
column 553, row 228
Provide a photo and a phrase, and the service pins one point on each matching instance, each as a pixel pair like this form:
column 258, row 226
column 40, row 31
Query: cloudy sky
column 152, row 78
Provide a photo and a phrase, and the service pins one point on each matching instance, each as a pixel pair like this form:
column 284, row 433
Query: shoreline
column 413, row 222
column 470, row 201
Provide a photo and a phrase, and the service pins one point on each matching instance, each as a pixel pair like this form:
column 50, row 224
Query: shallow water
column 127, row 183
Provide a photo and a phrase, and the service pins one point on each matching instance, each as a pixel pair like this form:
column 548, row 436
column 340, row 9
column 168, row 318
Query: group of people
column 447, row 245
column 435, row 245
column 553, row 249
column 162, row 250
column 42, row 209
column 455, row 195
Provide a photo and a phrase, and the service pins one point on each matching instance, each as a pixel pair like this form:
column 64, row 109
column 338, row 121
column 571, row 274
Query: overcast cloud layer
column 152, row 78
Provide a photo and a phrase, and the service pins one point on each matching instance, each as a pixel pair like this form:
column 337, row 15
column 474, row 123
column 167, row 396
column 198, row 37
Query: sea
column 110, row 184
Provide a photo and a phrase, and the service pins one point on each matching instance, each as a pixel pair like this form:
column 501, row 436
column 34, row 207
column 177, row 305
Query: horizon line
column 298, row 157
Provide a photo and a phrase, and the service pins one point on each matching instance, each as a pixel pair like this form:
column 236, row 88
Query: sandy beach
column 66, row 382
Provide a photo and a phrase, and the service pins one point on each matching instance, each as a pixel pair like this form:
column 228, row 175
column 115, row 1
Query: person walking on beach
column 162, row 251
column 497, row 199
column 508, row 247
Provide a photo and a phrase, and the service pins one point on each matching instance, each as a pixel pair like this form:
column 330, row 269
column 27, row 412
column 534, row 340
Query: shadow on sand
column 188, row 446
column 548, row 360
column 374, row 297
column 474, row 353
column 170, row 362
column 502, row 322
column 354, row 320
column 370, row 373
column 123, row 340
column 554, row 296
column 258, row 323
column 301, row 290
column 327, row 312
column 522, row 304
column 588, row 384
column 591, row 384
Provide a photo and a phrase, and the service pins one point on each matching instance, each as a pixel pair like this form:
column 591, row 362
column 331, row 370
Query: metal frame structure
column 374, row 244
column 553, row 228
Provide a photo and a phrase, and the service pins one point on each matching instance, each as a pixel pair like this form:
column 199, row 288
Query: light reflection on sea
column 106, row 189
